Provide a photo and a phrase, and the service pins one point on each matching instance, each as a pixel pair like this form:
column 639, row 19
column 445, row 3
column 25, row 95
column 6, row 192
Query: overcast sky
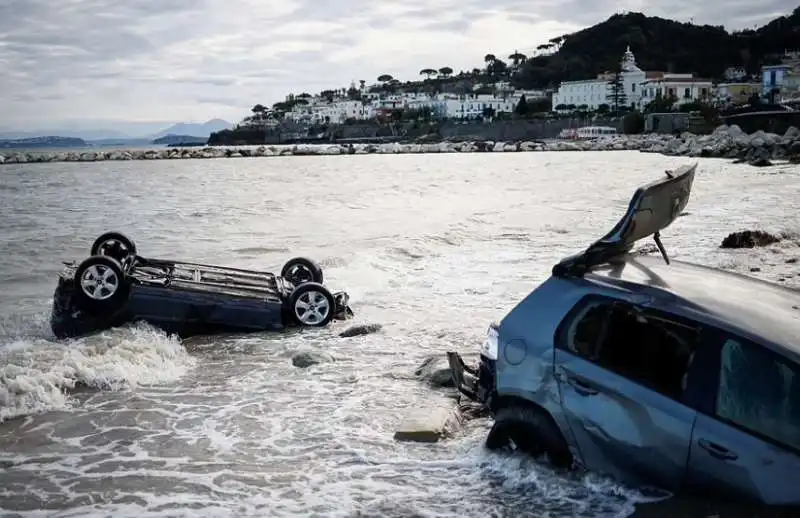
column 192, row 60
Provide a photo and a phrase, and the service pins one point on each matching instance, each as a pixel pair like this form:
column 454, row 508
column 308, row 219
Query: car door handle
column 581, row 387
column 717, row 451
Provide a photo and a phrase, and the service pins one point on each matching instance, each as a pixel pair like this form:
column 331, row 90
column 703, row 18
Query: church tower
column 628, row 63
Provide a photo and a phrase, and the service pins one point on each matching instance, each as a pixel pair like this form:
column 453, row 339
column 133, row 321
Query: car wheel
column 113, row 244
column 312, row 305
column 532, row 431
column 100, row 284
column 301, row 270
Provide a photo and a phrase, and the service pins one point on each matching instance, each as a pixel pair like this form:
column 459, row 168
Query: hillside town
column 443, row 96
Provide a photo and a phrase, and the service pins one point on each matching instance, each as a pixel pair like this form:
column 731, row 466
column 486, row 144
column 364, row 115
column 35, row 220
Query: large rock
column 749, row 239
column 305, row 359
column 428, row 424
column 435, row 371
column 360, row 329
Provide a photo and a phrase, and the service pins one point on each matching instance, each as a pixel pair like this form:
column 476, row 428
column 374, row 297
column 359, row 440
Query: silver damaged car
column 659, row 373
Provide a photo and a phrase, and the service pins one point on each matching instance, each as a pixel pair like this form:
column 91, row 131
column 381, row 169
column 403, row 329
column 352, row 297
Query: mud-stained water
column 433, row 247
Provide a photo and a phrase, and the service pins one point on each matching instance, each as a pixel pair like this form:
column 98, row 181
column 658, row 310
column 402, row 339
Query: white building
column 684, row 88
column 594, row 92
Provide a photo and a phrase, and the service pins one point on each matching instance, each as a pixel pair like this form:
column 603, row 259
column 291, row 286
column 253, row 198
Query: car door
column 621, row 427
column 746, row 441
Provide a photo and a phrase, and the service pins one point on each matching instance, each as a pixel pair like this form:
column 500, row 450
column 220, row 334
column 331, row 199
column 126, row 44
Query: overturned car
column 115, row 286
column 661, row 374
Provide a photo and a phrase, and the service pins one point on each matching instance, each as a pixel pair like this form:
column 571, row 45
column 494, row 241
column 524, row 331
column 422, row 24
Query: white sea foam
column 37, row 374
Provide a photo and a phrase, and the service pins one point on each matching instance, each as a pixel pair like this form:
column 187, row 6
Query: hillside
column 179, row 139
column 199, row 130
column 42, row 142
column 659, row 44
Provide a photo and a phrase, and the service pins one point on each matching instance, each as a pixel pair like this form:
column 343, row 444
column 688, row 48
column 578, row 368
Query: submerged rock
column 435, row 371
column 304, row 359
column 360, row 329
column 425, row 424
column 749, row 239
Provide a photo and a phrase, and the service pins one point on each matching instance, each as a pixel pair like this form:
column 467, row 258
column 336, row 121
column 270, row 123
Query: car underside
column 115, row 286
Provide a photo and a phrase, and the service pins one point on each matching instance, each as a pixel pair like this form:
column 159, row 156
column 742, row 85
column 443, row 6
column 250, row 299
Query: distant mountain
column 179, row 139
column 116, row 132
column 198, row 130
column 41, row 142
column 119, row 142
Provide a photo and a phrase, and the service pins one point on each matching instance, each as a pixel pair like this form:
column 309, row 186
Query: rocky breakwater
column 758, row 149
column 725, row 142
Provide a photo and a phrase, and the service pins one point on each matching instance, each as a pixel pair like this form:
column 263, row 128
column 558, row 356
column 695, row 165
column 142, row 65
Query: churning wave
column 39, row 373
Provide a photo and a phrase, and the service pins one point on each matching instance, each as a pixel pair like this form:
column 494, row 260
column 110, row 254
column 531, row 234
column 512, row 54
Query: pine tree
column 616, row 91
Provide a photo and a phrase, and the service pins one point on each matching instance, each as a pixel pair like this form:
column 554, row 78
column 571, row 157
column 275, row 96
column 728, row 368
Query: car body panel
column 653, row 207
column 621, row 428
column 760, row 470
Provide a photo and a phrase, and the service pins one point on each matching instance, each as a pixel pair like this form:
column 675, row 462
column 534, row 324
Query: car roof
column 760, row 309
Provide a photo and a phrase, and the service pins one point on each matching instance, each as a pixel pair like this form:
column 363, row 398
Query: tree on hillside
column 661, row 104
column 544, row 47
column 703, row 50
column 384, row 78
column 445, row 72
column 616, row 91
column 489, row 59
column 522, row 107
column 352, row 93
column 427, row 72
column 517, row 58
column 258, row 108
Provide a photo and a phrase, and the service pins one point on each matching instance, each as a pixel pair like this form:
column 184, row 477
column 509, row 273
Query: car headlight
column 489, row 347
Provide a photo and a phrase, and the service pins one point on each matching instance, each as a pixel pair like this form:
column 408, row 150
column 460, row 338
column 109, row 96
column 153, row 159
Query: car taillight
column 489, row 347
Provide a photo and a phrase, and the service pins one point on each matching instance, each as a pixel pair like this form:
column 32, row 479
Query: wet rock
column 749, row 239
column 470, row 410
column 360, row 329
column 428, row 425
column 760, row 157
column 435, row 371
column 305, row 359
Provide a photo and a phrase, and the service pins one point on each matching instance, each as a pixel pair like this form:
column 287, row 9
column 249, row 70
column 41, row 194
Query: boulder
column 305, row 359
column 360, row 329
column 435, row 371
column 749, row 239
column 428, row 424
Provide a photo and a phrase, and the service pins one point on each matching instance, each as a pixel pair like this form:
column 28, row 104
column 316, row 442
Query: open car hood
column 652, row 209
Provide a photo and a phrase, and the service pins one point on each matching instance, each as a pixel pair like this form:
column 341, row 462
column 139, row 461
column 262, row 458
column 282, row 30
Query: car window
column 759, row 391
column 646, row 347
column 585, row 329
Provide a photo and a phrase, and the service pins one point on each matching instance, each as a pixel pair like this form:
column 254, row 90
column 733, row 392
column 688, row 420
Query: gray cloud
column 174, row 59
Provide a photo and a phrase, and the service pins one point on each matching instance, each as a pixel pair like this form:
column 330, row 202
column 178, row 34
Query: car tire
column 100, row 285
column 532, row 431
column 113, row 244
column 300, row 270
column 311, row 305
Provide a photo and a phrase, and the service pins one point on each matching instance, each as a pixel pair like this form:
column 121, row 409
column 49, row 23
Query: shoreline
column 730, row 142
